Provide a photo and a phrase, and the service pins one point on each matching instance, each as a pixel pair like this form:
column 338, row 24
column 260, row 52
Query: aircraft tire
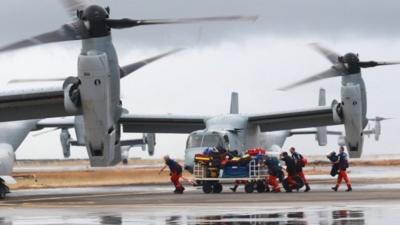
column 261, row 187
column 217, row 188
column 207, row 187
column 249, row 187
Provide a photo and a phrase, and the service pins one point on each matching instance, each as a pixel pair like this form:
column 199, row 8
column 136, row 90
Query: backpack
column 302, row 161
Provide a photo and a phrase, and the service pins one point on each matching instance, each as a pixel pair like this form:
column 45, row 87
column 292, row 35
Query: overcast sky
column 251, row 58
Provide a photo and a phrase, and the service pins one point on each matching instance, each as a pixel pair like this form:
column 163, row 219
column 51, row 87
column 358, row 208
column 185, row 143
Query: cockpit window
column 194, row 141
column 212, row 140
column 207, row 140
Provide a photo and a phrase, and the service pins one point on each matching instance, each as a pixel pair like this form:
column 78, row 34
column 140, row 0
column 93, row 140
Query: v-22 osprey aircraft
column 94, row 93
column 270, row 130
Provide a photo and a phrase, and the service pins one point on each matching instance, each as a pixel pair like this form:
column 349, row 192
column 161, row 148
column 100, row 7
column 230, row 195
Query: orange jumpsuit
column 343, row 176
column 175, row 172
column 343, row 165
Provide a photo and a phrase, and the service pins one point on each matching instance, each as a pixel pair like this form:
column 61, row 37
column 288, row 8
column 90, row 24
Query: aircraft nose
column 189, row 157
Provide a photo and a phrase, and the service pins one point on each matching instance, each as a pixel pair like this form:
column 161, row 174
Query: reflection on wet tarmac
column 306, row 216
column 173, row 220
column 295, row 218
column 112, row 220
column 5, row 221
column 345, row 217
column 339, row 217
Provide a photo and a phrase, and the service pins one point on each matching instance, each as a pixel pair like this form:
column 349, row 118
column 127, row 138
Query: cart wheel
column 249, row 187
column 217, row 188
column 207, row 188
column 261, row 187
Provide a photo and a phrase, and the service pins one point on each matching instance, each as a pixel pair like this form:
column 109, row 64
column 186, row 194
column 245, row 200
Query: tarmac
column 375, row 199
column 155, row 204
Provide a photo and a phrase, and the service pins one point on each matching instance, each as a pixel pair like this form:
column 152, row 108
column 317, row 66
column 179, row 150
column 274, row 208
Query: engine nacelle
column 377, row 130
column 65, row 138
column 353, row 119
column 7, row 158
column 150, row 140
column 322, row 136
column 99, row 114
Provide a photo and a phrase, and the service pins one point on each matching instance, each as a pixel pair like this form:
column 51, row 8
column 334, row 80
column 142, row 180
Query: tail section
column 376, row 130
column 234, row 103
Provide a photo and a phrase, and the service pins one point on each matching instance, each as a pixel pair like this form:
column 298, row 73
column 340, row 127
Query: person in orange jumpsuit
column 274, row 171
column 175, row 172
column 343, row 165
column 291, row 171
column 298, row 158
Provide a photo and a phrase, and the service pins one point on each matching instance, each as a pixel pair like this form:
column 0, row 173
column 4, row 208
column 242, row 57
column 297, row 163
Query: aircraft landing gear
column 3, row 190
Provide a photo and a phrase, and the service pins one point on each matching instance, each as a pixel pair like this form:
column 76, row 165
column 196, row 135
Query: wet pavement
column 375, row 200
column 332, row 215
column 151, row 204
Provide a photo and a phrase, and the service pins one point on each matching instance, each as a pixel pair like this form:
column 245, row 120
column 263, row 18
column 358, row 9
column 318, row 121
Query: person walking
column 274, row 172
column 343, row 164
column 300, row 163
column 291, row 172
column 175, row 173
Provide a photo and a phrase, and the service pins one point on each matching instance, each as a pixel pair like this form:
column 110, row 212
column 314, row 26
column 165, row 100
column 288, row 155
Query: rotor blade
column 71, row 6
column 128, row 69
column 15, row 81
column 68, row 32
column 367, row 64
column 329, row 54
column 45, row 132
column 332, row 72
column 126, row 23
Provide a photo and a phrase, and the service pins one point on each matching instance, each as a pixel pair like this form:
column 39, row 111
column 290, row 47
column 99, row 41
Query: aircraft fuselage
column 232, row 132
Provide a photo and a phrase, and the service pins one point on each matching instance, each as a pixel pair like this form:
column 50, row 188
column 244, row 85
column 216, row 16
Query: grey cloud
column 327, row 19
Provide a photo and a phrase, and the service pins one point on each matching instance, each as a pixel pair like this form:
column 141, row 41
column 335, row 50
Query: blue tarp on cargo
column 235, row 171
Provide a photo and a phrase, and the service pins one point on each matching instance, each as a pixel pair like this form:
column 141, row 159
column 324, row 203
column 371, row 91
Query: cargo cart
column 212, row 179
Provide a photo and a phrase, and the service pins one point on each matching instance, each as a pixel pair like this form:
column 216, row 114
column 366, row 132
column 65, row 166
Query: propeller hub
column 350, row 58
column 351, row 62
column 93, row 18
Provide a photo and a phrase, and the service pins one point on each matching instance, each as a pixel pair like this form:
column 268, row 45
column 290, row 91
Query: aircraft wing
column 161, row 123
column 63, row 122
column 315, row 117
column 32, row 104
